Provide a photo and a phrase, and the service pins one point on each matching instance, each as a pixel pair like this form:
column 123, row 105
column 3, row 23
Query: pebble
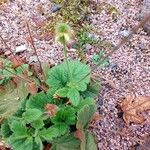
column 100, row 101
column 21, row 48
column 142, row 46
column 33, row 59
column 87, row 47
column 124, row 33
column 56, row 8
column 113, row 67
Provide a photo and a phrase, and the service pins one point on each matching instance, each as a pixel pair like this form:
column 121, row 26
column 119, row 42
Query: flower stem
column 65, row 56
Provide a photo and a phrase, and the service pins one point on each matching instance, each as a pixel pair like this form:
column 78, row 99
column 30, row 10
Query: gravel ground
column 127, row 74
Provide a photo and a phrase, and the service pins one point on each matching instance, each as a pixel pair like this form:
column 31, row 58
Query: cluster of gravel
column 127, row 74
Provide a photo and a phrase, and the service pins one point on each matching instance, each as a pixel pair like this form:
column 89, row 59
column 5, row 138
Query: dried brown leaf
column 132, row 106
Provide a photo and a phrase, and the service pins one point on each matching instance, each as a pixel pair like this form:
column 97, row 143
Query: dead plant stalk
column 34, row 48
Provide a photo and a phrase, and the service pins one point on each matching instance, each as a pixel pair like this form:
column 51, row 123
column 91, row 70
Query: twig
column 35, row 51
column 22, row 78
column 10, row 50
column 122, row 42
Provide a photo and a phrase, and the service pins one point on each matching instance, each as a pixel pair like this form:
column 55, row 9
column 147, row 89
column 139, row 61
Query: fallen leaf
column 132, row 106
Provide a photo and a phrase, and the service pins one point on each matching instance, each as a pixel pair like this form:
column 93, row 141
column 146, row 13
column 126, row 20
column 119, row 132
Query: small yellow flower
column 63, row 33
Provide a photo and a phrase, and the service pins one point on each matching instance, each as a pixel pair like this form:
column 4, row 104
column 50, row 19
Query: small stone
column 139, row 16
column 56, row 8
column 20, row 48
column 142, row 46
column 87, row 47
column 124, row 33
column 72, row 50
column 113, row 67
column 33, row 59
column 7, row 53
column 52, row 62
column 100, row 101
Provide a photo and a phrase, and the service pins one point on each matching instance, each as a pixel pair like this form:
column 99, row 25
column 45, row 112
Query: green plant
column 54, row 116
column 72, row 12
column 97, row 57
column 50, row 116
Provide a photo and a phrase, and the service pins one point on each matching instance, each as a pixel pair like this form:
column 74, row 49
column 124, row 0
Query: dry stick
column 32, row 43
column 10, row 51
column 122, row 42
column 22, row 78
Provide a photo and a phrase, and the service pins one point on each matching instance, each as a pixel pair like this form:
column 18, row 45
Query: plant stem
column 122, row 42
column 35, row 51
column 65, row 56
column 22, row 78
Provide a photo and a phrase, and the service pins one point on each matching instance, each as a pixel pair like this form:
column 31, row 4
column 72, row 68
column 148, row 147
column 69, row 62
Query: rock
column 33, row 59
column 139, row 16
column 100, row 101
column 72, row 50
column 52, row 62
column 87, row 47
column 7, row 53
column 20, row 48
column 124, row 33
column 142, row 46
column 113, row 67
column 56, row 8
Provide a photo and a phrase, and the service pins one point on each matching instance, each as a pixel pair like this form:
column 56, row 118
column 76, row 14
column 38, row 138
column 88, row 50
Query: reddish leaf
column 51, row 109
column 16, row 61
column 32, row 87
column 47, row 147
column 80, row 135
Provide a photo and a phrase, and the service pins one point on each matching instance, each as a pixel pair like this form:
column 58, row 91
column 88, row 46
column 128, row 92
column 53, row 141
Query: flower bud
column 63, row 33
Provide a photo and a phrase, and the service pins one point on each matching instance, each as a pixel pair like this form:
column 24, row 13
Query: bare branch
column 34, row 48
column 22, row 78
